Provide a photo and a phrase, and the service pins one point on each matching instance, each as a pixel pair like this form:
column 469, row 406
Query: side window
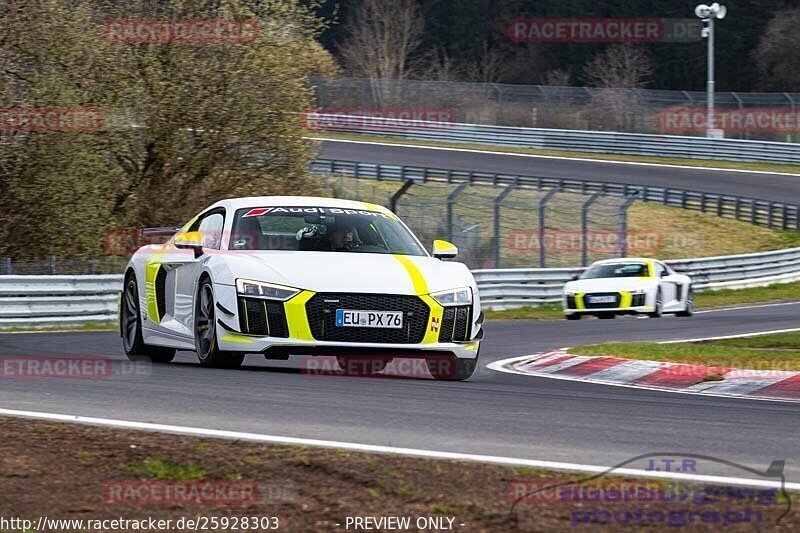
column 210, row 226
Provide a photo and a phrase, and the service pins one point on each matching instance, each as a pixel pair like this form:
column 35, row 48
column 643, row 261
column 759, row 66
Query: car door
column 187, row 270
column 672, row 287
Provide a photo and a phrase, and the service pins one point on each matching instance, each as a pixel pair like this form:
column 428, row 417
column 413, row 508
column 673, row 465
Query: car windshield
column 616, row 270
column 321, row 229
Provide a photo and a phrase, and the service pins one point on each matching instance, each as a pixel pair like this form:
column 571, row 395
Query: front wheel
column 205, row 332
column 689, row 309
column 130, row 327
column 573, row 316
column 659, row 306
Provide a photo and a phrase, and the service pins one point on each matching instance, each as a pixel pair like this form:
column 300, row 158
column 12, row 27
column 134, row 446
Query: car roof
column 623, row 260
column 296, row 201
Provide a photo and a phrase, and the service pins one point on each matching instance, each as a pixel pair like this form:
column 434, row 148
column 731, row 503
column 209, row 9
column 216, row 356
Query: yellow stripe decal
column 579, row 301
column 296, row 316
column 232, row 337
column 625, row 299
column 421, row 290
column 420, row 286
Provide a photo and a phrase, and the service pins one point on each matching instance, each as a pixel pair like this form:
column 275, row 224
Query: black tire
column 659, row 307
column 130, row 328
column 573, row 316
column 606, row 316
column 362, row 366
column 689, row 311
column 458, row 368
column 205, row 332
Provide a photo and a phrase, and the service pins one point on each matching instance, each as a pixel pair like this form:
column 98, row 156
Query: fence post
column 451, row 198
column 90, row 265
column 398, row 193
column 7, row 266
column 623, row 224
column 51, row 264
column 585, row 226
column 498, row 202
column 542, row 220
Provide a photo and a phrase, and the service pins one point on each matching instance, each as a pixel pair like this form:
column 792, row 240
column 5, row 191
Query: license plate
column 601, row 299
column 346, row 318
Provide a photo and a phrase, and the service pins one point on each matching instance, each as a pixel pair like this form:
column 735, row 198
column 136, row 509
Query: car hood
column 350, row 272
column 609, row 284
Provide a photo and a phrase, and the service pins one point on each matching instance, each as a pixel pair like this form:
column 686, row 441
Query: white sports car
column 628, row 286
column 294, row 275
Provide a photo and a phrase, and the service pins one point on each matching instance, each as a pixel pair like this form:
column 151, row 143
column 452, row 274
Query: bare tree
column 618, row 71
column 620, row 66
column 382, row 38
column 778, row 53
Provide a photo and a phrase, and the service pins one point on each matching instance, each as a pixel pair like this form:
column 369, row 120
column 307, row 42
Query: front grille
column 571, row 302
column 638, row 300
column 262, row 317
column 321, row 311
column 161, row 292
column 588, row 305
column 455, row 324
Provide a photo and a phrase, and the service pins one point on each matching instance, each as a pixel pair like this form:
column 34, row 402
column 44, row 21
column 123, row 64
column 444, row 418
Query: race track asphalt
column 762, row 186
column 492, row 414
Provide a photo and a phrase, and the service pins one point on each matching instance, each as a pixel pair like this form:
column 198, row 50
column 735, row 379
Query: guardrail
column 47, row 301
column 508, row 288
column 39, row 301
column 766, row 213
column 565, row 140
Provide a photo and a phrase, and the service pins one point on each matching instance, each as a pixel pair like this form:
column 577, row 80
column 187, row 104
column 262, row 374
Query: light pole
column 708, row 14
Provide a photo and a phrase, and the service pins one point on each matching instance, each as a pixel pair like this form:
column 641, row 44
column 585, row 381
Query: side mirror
column 191, row 240
column 444, row 250
column 664, row 273
column 576, row 277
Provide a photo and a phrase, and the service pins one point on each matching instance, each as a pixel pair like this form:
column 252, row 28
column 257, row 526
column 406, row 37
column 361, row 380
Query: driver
column 344, row 238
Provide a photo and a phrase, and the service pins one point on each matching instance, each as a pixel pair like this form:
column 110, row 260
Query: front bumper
column 296, row 336
column 625, row 303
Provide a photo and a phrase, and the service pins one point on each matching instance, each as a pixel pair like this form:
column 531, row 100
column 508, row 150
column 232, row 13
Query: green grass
column 739, row 165
column 88, row 326
column 163, row 469
column 779, row 351
column 708, row 299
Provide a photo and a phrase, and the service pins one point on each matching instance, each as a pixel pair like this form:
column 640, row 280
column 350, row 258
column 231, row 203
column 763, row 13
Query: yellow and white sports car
column 292, row 275
column 628, row 286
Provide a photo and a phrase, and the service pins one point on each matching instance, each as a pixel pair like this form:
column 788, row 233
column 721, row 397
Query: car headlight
column 460, row 296
column 259, row 289
column 640, row 291
column 569, row 292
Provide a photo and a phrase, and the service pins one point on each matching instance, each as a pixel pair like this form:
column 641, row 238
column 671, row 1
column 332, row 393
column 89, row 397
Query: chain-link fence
column 765, row 116
column 504, row 226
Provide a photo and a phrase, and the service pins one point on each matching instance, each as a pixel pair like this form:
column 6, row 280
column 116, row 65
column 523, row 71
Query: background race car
column 628, row 286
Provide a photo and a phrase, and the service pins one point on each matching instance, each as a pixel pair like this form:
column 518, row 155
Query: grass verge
column 709, row 299
column 733, row 165
column 88, row 326
column 777, row 351
column 316, row 489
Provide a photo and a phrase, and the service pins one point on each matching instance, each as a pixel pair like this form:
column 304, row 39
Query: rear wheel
column 453, row 369
column 689, row 309
column 205, row 332
column 130, row 327
column 606, row 316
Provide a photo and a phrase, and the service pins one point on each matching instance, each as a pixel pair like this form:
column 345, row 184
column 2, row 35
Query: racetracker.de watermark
column 56, row 119
column 379, row 366
column 90, row 367
column 595, row 241
column 755, row 119
column 180, row 492
column 604, row 30
column 357, row 119
column 138, row 31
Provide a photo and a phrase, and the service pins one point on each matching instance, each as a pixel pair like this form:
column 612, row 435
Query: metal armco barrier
column 508, row 288
column 47, row 301
column 38, row 301
column 776, row 215
column 566, row 140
